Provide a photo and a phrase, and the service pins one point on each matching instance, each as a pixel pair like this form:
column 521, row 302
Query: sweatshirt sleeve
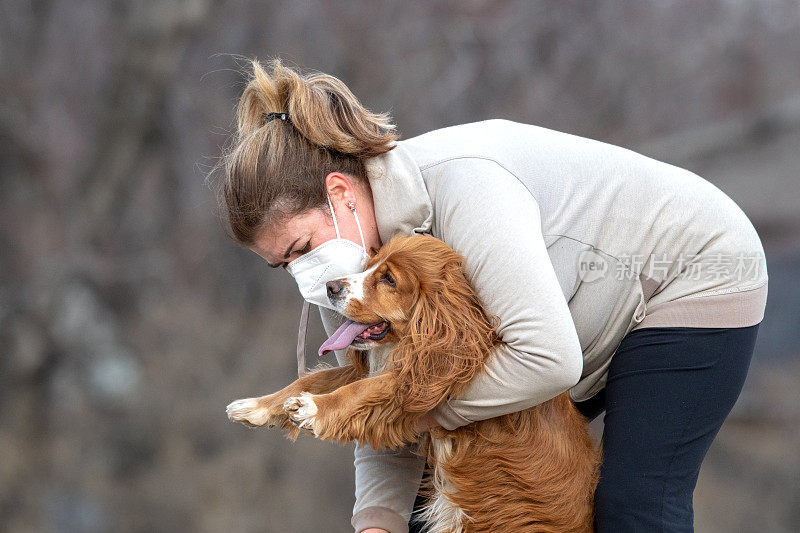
column 487, row 215
column 386, row 481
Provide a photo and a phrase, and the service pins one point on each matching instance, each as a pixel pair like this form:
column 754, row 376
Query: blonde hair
column 275, row 169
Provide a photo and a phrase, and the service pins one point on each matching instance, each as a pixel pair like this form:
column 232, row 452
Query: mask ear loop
column 353, row 209
column 333, row 214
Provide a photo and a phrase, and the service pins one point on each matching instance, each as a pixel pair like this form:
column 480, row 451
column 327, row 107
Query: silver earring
column 352, row 205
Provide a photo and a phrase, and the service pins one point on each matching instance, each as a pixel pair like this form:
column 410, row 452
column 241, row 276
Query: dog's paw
column 249, row 412
column 301, row 410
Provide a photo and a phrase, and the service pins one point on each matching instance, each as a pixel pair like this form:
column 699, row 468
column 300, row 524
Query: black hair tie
column 271, row 116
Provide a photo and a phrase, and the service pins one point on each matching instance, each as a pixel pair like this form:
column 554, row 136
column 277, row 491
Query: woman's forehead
column 272, row 245
column 274, row 240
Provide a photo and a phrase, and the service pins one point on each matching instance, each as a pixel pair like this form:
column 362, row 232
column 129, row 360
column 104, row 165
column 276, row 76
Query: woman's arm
column 487, row 215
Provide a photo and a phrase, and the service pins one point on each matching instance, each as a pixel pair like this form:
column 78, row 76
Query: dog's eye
column 387, row 278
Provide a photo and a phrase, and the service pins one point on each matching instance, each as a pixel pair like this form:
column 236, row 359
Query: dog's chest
column 442, row 515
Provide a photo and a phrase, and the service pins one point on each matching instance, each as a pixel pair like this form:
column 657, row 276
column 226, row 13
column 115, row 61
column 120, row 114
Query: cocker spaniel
column 533, row 470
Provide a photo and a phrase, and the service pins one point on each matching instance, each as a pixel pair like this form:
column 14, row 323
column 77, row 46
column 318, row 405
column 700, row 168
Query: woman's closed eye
column 304, row 250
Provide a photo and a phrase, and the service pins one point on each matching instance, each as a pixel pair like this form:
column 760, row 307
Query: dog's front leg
column 368, row 411
column 268, row 410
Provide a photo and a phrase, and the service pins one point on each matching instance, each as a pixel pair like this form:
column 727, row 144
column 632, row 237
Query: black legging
column 667, row 394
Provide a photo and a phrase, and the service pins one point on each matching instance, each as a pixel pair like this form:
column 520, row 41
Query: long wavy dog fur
column 533, row 470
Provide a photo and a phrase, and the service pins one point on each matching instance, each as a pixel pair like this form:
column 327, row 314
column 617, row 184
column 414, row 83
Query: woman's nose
column 334, row 288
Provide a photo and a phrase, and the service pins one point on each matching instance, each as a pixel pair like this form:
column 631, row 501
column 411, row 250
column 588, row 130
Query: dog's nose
column 334, row 288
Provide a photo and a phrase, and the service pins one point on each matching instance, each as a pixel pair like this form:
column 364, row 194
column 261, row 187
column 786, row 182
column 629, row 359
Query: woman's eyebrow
column 286, row 254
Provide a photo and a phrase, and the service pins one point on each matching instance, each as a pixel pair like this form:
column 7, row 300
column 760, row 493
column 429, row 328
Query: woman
column 635, row 285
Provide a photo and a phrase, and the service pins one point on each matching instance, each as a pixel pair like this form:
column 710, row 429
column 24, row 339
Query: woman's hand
column 425, row 423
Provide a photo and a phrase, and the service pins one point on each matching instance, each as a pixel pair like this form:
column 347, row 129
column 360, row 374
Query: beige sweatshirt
column 572, row 243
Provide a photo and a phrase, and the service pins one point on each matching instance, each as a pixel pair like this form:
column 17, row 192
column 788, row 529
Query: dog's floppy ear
column 449, row 336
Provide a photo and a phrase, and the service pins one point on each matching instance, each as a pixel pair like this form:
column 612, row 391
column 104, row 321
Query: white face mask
column 333, row 259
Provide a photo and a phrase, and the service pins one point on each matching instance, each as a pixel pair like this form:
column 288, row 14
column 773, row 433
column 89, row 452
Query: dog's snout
column 334, row 288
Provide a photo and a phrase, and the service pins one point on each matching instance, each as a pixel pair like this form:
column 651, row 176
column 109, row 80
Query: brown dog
column 533, row 470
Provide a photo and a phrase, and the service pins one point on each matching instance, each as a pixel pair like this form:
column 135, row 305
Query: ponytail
column 320, row 106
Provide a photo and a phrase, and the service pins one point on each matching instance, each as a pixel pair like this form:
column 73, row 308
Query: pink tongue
column 343, row 336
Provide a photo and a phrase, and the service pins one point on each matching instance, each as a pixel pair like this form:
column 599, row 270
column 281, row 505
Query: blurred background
column 128, row 321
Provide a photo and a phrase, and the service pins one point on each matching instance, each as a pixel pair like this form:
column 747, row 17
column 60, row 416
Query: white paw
column 248, row 412
column 301, row 410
